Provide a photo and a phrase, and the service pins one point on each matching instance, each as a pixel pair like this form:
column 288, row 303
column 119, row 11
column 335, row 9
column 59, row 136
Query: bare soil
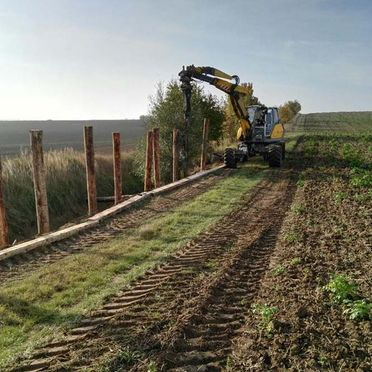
column 327, row 233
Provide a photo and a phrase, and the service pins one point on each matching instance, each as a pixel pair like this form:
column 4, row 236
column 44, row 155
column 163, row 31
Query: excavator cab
column 264, row 120
column 265, row 138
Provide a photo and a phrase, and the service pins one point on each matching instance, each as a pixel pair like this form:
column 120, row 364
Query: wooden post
column 156, row 148
column 41, row 199
column 203, row 159
column 117, row 167
column 4, row 233
column 176, row 135
column 90, row 170
column 149, row 161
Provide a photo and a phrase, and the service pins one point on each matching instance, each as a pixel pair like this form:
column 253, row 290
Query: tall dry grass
column 66, row 187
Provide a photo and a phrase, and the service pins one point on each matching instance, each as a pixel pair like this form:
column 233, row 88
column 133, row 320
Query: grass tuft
column 295, row 261
column 292, row 236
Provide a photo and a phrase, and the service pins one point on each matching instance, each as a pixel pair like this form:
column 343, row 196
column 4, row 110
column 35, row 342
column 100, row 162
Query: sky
column 102, row 59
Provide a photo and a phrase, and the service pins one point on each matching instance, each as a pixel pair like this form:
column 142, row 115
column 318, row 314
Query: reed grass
column 66, row 187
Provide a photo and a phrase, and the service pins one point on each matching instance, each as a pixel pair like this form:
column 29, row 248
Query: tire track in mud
column 206, row 341
column 142, row 317
column 17, row 266
column 203, row 340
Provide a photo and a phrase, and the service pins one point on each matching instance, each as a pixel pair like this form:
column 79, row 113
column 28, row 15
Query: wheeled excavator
column 260, row 131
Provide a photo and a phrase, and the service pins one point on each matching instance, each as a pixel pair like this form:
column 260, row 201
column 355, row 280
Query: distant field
column 14, row 135
column 335, row 121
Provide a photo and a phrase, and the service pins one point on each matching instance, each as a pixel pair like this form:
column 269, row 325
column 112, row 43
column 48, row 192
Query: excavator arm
column 220, row 80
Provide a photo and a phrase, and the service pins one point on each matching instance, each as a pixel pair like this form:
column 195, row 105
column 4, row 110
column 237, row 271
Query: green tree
column 166, row 113
column 231, row 123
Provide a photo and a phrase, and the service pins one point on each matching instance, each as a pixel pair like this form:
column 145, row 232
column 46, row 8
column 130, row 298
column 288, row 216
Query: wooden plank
column 149, row 161
column 38, row 168
column 4, row 231
column 117, row 167
column 176, row 137
column 156, row 148
column 118, row 208
column 90, row 170
column 203, row 158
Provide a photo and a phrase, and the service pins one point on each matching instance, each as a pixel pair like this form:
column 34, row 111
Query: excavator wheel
column 229, row 158
column 275, row 156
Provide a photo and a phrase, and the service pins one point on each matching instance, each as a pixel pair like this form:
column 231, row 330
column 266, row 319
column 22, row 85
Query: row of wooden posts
column 152, row 171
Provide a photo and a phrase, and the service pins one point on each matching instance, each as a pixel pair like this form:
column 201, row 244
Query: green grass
column 53, row 298
column 119, row 357
column 335, row 122
column 292, row 236
column 298, row 208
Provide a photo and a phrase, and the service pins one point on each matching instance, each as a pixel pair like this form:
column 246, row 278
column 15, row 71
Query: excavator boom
column 219, row 79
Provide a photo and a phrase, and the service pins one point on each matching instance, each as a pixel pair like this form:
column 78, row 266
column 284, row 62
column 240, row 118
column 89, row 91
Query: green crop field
column 335, row 122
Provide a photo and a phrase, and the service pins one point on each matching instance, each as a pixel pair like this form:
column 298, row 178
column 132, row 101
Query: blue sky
column 75, row 59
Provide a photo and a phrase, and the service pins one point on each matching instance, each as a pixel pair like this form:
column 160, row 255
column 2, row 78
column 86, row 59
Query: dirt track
column 17, row 266
column 184, row 314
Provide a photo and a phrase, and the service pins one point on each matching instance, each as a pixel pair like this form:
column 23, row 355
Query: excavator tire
column 275, row 156
column 229, row 158
column 283, row 151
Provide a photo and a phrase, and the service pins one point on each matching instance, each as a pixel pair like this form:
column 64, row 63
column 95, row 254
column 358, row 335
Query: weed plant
column 341, row 288
column 266, row 314
column 278, row 270
column 359, row 310
column 345, row 292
